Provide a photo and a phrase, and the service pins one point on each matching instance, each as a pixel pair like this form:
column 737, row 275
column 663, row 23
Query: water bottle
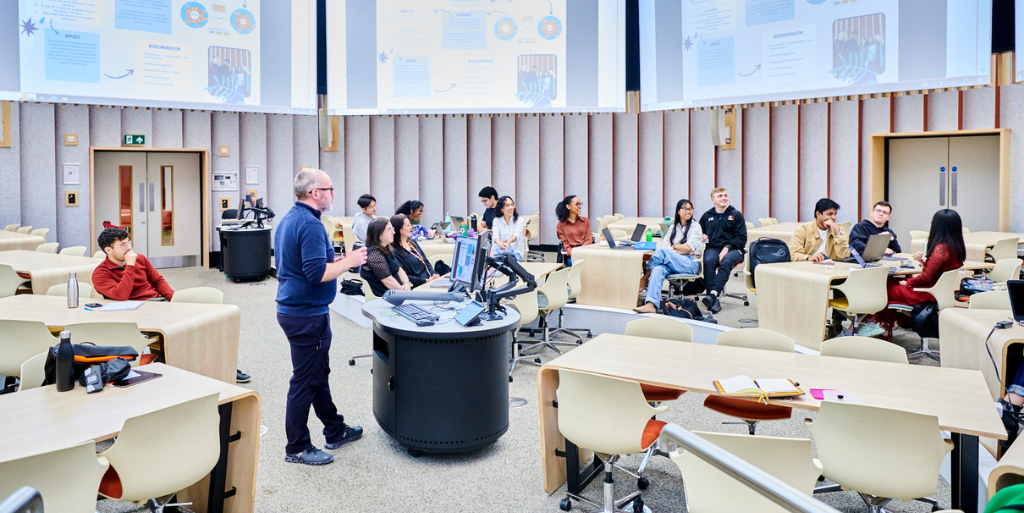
column 65, row 363
column 649, row 236
column 464, row 229
column 72, row 290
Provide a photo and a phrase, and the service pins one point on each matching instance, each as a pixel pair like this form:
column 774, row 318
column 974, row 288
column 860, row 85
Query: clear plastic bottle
column 72, row 290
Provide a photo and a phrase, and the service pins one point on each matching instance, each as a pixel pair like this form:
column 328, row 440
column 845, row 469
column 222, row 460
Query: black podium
column 245, row 252
column 442, row 388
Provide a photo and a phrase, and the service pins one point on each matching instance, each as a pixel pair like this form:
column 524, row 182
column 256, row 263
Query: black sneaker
column 716, row 306
column 311, row 456
column 242, row 377
column 708, row 301
column 349, row 434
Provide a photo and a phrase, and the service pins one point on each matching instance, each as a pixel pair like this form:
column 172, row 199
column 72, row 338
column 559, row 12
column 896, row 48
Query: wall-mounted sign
column 133, row 140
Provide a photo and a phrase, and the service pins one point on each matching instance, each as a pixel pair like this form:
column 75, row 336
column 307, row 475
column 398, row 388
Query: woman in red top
column 945, row 252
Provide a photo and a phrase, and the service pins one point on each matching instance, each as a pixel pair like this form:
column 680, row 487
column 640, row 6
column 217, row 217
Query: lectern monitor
column 464, row 263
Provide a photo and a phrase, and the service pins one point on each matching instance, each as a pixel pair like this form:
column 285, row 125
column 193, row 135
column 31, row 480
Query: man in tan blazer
column 822, row 238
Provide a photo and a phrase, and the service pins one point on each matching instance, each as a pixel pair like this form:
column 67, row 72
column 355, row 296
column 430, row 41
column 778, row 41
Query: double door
column 156, row 196
column 931, row 173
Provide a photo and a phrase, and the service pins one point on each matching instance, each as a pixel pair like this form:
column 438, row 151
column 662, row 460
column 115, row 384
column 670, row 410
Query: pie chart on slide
column 549, row 27
column 243, row 21
column 194, row 14
column 506, row 28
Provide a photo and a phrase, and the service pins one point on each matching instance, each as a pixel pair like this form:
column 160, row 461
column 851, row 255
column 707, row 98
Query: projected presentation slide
column 248, row 55
column 413, row 56
column 721, row 52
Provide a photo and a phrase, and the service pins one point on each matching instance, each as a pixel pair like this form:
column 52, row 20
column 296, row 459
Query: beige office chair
column 624, row 426
column 67, row 478
column 763, row 221
column 966, row 230
column 1004, row 248
column 575, row 284
column 709, row 490
column 619, row 234
column 750, row 226
column 1005, row 269
column 532, row 233
column 881, row 454
column 108, row 333
column 11, row 227
column 862, row 294
column 159, row 453
column 74, row 251
column 33, row 372
column 619, row 217
column 602, row 223
column 9, row 281
column 918, row 234
column 751, row 412
column 368, row 296
column 660, row 327
column 25, row 229
column 676, row 281
column 552, row 296
column 991, row 300
column 20, row 341
column 85, row 291
column 773, row 220
column 944, row 292
column 47, row 247
column 845, row 227
column 208, row 295
column 99, row 254
column 864, row 348
column 42, row 232
column 526, row 305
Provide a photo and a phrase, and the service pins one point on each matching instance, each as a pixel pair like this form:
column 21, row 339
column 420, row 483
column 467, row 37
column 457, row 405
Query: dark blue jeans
column 717, row 275
column 310, row 341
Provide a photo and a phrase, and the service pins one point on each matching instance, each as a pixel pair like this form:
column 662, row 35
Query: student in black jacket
column 872, row 226
column 725, row 233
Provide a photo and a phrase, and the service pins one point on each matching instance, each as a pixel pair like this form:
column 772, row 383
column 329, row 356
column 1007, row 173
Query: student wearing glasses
column 413, row 209
column 573, row 229
column 508, row 228
column 126, row 275
column 678, row 253
column 877, row 223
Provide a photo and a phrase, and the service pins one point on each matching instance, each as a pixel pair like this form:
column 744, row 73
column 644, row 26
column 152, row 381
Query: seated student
column 368, row 204
column 412, row 259
column 677, row 253
column 820, row 239
column 725, row 236
column 382, row 270
column 508, row 228
column 573, row 229
column 489, row 198
column 874, row 225
column 413, row 209
column 945, row 252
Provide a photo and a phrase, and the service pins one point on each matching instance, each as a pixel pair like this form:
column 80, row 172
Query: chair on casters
column 751, row 412
column 526, row 305
column 879, row 453
column 677, row 281
column 625, row 426
column 1005, row 269
column 862, row 294
column 184, row 439
column 575, row 284
column 67, row 478
column 864, row 348
column 368, row 296
column 602, row 223
column 532, row 233
column 944, row 292
column 550, row 297
column 100, row 254
column 750, row 226
column 918, row 234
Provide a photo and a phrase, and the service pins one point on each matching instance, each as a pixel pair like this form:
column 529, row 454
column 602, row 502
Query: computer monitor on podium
column 469, row 262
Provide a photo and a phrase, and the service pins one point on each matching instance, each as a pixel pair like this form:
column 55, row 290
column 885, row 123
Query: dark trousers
column 310, row 341
column 716, row 275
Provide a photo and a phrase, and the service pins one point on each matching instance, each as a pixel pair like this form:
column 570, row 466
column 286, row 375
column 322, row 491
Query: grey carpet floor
column 376, row 474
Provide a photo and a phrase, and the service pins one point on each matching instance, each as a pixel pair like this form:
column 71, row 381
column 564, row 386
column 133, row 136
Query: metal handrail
column 674, row 437
column 25, row 500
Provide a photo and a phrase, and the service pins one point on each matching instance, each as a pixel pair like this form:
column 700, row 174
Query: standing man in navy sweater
column 307, row 278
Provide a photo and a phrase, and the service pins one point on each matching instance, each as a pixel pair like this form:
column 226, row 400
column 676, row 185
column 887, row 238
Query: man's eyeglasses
column 124, row 245
column 324, row 189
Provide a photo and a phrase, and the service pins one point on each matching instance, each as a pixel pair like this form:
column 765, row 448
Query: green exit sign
column 134, row 140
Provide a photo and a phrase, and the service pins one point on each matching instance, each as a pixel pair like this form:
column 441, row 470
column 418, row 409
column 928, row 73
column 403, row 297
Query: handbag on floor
column 684, row 308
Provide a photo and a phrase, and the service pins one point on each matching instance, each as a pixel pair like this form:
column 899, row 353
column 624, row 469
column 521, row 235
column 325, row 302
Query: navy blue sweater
column 301, row 254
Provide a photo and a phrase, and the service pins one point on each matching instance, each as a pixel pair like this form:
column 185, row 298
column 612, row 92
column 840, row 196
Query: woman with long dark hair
column 573, row 229
column 678, row 253
column 382, row 270
column 945, row 252
column 409, row 254
column 508, row 229
column 413, row 209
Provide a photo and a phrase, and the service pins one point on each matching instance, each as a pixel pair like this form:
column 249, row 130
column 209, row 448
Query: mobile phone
column 94, row 305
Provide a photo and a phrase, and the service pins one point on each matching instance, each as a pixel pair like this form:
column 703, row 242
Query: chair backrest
column 99, row 254
column 42, row 232
column 602, row 223
column 556, row 289
column 748, row 277
column 966, row 229
column 208, row 295
column 25, row 229
column 864, row 348
column 532, row 230
column 11, row 227
column 660, row 327
column 865, row 290
column 991, row 300
column 74, row 251
column 773, row 220
column 750, row 226
column 108, row 334
column 85, row 290
column 230, row 213
column 47, row 247
column 763, row 221
column 526, row 305
column 440, row 257
column 368, row 294
column 756, row 338
column 918, row 234
column 709, row 490
column 33, row 372
column 575, row 279
column 9, row 280
column 1005, row 248
column 1005, row 269
column 877, row 451
column 328, row 226
column 619, row 217
column 944, row 290
column 619, row 403
column 67, row 478
column 619, row 234
column 845, row 227
column 21, row 340
column 349, row 235
column 184, row 439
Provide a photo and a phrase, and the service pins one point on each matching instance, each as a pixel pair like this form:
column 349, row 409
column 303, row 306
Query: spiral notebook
column 743, row 386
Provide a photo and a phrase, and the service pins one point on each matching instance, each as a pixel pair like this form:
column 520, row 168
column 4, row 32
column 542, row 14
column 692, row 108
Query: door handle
column 152, row 196
column 142, row 197
column 942, row 186
column 952, row 187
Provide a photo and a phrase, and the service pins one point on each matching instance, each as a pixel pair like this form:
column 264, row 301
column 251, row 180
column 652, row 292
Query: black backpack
column 924, row 319
column 767, row 251
column 682, row 307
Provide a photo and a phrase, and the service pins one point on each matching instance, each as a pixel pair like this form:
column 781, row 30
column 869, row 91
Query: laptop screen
column 1016, row 290
column 638, row 232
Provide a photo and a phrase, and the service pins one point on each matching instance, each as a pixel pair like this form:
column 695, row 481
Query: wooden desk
column 958, row 398
column 610, row 277
column 200, row 338
column 977, row 243
column 48, row 269
column 14, row 240
column 628, row 224
column 792, row 297
column 781, row 231
column 42, row 419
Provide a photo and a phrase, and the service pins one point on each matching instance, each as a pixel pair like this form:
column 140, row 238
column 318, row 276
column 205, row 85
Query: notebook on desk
column 743, row 386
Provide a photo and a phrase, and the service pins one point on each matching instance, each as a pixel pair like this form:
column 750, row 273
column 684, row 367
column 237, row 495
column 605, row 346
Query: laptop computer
column 664, row 229
column 865, row 265
column 1016, row 290
column 638, row 232
column 612, row 243
column 874, row 249
column 456, row 223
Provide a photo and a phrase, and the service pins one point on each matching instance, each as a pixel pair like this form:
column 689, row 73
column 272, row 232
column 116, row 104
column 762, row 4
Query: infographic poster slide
column 171, row 50
column 470, row 54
